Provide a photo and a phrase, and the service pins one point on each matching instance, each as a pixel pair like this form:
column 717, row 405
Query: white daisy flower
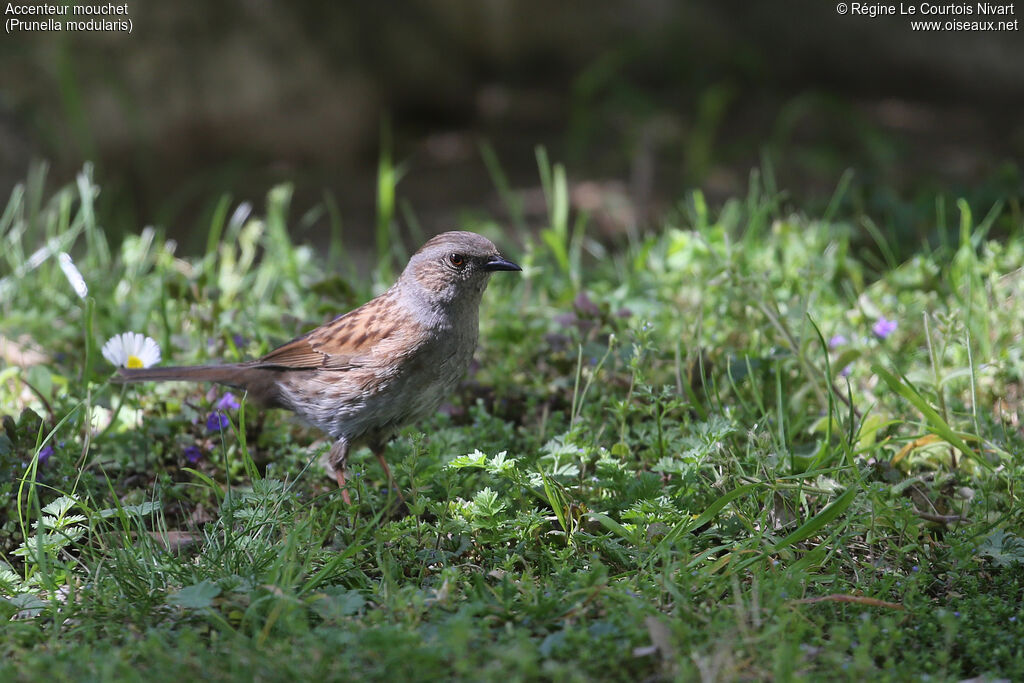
column 73, row 275
column 131, row 350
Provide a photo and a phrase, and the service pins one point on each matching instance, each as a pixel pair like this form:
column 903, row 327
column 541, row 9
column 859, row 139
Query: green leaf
column 474, row 459
column 27, row 604
column 816, row 523
column 613, row 526
column 60, row 506
column 1004, row 549
column 142, row 509
column 197, row 596
column 9, row 581
column 557, row 500
column 705, row 517
column 931, row 416
column 486, row 503
column 336, row 602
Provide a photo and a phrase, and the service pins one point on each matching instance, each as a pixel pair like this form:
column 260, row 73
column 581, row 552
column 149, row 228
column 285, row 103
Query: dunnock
column 388, row 363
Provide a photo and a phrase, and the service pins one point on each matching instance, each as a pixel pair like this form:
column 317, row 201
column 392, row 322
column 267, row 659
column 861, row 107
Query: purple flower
column 239, row 340
column 44, row 453
column 193, row 454
column 884, row 327
column 217, row 421
column 836, row 341
column 845, row 372
column 227, row 402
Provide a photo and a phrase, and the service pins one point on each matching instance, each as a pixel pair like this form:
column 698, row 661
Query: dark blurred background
column 642, row 100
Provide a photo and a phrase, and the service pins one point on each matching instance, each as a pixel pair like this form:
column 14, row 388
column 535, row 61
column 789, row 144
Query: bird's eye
column 457, row 260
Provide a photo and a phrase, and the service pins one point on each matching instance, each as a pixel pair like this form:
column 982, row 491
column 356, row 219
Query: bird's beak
column 498, row 263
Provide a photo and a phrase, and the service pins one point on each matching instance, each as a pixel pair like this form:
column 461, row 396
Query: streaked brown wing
column 298, row 354
column 335, row 346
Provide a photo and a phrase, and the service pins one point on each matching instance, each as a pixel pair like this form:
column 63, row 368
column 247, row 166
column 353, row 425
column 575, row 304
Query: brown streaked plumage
column 388, row 363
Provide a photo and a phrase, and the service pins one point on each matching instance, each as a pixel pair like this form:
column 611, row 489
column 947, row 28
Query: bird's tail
column 231, row 375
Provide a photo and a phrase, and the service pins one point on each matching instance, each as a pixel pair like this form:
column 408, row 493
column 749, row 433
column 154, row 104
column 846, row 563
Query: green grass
column 689, row 456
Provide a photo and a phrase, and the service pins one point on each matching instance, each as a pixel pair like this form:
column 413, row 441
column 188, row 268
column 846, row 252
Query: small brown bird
column 388, row 363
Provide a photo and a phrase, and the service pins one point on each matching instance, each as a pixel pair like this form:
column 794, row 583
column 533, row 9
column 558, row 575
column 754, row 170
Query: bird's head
column 454, row 267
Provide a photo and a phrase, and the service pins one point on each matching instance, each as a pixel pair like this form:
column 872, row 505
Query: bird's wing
column 298, row 354
column 338, row 345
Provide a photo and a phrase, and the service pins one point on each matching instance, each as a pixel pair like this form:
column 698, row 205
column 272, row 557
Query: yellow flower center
column 134, row 362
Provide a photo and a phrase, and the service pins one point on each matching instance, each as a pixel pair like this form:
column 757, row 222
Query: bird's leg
column 379, row 452
column 339, row 476
column 337, row 459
